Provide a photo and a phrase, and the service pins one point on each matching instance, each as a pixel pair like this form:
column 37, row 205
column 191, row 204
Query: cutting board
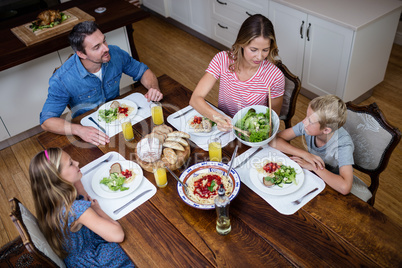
column 25, row 34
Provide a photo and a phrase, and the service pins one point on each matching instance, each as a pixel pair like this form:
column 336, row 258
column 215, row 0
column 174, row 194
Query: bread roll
column 180, row 134
column 177, row 139
column 170, row 155
column 162, row 128
column 173, row 145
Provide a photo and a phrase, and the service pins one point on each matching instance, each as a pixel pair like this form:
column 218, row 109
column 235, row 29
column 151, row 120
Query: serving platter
column 257, row 178
column 205, row 167
column 103, row 191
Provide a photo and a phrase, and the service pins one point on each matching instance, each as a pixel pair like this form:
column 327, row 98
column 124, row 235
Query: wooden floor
column 168, row 50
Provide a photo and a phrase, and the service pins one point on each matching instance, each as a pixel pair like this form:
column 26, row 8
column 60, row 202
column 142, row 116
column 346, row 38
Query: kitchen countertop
column 353, row 14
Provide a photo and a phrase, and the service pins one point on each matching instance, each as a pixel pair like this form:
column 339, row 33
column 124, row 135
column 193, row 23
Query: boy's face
column 311, row 123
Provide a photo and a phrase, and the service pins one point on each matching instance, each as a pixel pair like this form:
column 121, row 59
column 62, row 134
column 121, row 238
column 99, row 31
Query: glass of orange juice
column 157, row 113
column 160, row 176
column 127, row 130
column 215, row 149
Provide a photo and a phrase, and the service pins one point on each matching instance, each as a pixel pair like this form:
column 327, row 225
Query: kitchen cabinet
column 316, row 50
column 159, row 6
column 24, row 87
column 228, row 15
column 3, row 131
column 192, row 13
column 331, row 52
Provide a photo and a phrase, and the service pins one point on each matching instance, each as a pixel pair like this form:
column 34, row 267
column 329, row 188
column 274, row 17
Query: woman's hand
column 223, row 123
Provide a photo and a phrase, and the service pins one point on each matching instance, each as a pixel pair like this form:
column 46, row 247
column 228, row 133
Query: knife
column 248, row 157
column 101, row 128
column 132, row 200
column 183, row 113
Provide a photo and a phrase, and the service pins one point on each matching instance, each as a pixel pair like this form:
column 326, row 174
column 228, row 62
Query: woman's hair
column 77, row 35
column 253, row 27
column 331, row 111
column 51, row 194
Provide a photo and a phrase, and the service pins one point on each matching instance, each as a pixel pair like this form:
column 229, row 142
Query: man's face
column 96, row 49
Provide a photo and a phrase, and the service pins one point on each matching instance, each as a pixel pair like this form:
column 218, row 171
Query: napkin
column 144, row 111
column 110, row 205
column 201, row 141
column 282, row 203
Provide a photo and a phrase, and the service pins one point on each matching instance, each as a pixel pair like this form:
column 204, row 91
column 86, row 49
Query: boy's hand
column 303, row 163
column 314, row 160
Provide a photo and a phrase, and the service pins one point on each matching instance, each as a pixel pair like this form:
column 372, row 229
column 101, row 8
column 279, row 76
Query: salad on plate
column 257, row 124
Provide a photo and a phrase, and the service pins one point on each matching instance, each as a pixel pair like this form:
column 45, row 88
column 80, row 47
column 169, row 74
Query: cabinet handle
column 301, row 29
column 222, row 3
column 224, row 27
column 249, row 14
column 308, row 32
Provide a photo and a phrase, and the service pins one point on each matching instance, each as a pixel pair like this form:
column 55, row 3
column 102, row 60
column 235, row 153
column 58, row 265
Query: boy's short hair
column 331, row 111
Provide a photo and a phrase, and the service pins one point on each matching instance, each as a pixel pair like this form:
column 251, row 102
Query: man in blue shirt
column 89, row 78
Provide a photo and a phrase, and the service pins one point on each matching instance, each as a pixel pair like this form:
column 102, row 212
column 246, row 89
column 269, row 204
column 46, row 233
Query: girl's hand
column 94, row 204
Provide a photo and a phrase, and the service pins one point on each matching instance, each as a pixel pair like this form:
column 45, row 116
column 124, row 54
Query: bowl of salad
column 255, row 120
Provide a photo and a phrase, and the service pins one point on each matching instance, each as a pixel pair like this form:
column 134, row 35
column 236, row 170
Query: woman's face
column 69, row 169
column 256, row 51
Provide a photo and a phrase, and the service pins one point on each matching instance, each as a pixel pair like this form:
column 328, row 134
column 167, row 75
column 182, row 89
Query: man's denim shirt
column 72, row 84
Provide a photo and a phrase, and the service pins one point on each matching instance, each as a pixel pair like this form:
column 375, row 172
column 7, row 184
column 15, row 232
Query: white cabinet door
column 200, row 17
column 3, row 131
column 23, row 92
column 326, row 57
column 180, row 11
column 289, row 25
column 159, row 6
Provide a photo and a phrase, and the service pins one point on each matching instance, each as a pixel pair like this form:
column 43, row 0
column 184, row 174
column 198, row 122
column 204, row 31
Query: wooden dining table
column 330, row 230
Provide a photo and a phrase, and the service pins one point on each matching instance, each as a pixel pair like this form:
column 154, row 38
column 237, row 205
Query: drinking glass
column 157, row 113
column 160, row 176
column 127, row 130
column 215, row 149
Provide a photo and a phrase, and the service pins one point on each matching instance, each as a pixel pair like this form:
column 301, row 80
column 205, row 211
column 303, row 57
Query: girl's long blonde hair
column 51, row 194
column 253, row 27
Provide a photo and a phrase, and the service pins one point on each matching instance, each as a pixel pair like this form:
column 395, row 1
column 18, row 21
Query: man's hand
column 93, row 135
column 154, row 94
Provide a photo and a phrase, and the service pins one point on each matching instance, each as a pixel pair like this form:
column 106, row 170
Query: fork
column 101, row 162
column 298, row 201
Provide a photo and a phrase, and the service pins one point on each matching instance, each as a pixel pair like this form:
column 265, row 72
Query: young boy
column 330, row 147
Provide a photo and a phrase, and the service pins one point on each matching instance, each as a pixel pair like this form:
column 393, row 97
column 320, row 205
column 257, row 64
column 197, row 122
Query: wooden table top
column 330, row 230
column 13, row 52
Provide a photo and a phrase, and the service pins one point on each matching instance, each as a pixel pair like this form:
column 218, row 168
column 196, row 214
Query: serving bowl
column 206, row 167
column 259, row 109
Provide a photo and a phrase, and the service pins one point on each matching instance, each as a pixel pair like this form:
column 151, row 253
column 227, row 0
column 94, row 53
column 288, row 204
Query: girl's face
column 311, row 124
column 69, row 170
column 256, row 51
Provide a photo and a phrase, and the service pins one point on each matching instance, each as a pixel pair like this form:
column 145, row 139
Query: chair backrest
column 31, row 235
column 374, row 140
column 292, row 89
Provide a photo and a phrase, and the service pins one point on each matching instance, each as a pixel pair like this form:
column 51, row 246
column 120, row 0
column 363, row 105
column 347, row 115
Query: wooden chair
column 32, row 237
column 374, row 140
column 292, row 89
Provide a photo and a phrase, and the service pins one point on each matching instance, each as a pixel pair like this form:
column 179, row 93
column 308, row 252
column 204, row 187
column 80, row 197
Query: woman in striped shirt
column 246, row 73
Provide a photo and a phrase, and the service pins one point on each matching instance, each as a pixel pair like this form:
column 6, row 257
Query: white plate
column 103, row 191
column 106, row 106
column 191, row 131
column 204, row 167
column 257, row 177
